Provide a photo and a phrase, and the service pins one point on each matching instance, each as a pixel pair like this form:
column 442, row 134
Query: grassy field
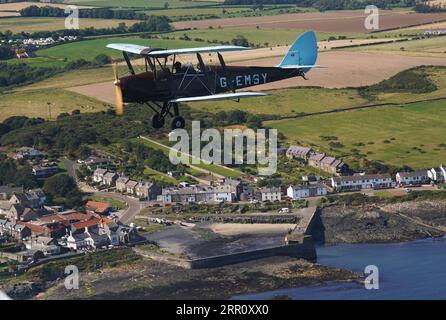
column 413, row 135
column 209, row 167
column 33, row 103
column 261, row 36
column 31, row 24
column 435, row 47
column 158, row 176
column 116, row 204
column 218, row 11
column 142, row 3
column 290, row 102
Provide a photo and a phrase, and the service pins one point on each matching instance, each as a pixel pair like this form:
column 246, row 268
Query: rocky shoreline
column 380, row 223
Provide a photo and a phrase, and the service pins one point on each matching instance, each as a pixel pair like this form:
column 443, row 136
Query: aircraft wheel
column 157, row 121
column 178, row 123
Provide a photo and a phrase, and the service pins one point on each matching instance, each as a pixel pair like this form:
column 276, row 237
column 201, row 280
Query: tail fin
column 302, row 54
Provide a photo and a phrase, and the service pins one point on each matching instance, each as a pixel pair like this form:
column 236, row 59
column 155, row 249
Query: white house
column 306, row 190
column 437, row 174
column 412, row 178
column 270, row 194
column 223, row 193
column 362, row 181
column 98, row 175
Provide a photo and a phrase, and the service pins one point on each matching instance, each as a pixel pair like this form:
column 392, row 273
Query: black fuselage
column 164, row 85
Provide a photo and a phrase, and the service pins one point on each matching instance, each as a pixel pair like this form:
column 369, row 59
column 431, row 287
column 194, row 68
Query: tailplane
column 302, row 54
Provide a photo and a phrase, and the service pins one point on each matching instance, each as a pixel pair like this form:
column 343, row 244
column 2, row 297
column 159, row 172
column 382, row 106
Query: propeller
column 118, row 91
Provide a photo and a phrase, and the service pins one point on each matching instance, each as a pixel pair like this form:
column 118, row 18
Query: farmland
column 33, row 103
column 409, row 135
column 31, row 24
column 333, row 21
column 141, row 3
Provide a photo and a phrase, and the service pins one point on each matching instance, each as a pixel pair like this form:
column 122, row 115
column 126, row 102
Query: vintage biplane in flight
column 164, row 84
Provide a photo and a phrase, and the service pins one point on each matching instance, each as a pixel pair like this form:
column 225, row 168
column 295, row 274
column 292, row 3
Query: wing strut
column 127, row 60
column 225, row 71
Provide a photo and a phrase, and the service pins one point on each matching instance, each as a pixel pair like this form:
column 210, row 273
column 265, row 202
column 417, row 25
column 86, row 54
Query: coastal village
column 34, row 231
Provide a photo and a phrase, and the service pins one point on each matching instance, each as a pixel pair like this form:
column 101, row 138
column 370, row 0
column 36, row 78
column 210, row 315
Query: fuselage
column 164, row 85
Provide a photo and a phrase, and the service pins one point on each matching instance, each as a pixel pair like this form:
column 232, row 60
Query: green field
column 412, row 135
column 31, row 24
column 218, row 11
column 209, row 167
column 435, row 47
column 142, row 3
column 286, row 102
column 33, row 103
column 264, row 36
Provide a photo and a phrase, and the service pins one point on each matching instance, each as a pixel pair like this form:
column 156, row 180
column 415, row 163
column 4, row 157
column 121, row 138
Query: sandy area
column 20, row 5
column 439, row 25
column 233, row 229
column 332, row 21
column 344, row 69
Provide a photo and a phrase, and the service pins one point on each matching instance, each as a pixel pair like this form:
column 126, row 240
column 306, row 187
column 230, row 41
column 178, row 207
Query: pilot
column 177, row 67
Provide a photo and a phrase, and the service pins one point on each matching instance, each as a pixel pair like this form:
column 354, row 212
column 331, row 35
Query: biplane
column 165, row 81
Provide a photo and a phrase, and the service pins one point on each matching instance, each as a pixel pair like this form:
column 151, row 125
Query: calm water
column 415, row 270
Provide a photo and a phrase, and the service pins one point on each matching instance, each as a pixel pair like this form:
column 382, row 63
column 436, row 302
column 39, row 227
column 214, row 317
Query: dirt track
column 344, row 69
column 333, row 21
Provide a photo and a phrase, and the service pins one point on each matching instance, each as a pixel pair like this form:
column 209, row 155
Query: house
column 17, row 212
column 78, row 241
column 93, row 207
column 298, row 152
column 34, row 198
column 48, row 246
column 270, row 194
column 412, row 178
column 315, row 159
column 110, row 179
column 437, row 175
column 18, row 231
column 131, row 186
column 27, row 153
column 236, row 187
column 93, row 162
column 42, row 172
column 247, row 192
column 196, row 193
column 147, row 190
column 121, row 184
column 98, row 175
column 362, row 181
column 306, row 190
column 333, row 165
column 223, row 193
column 7, row 191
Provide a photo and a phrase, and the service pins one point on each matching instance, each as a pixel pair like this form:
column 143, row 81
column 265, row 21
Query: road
column 134, row 206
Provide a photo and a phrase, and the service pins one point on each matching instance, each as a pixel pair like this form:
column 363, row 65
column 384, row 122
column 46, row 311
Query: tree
column 102, row 59
column 240, row 41
column 62, row 189
column 254, row 122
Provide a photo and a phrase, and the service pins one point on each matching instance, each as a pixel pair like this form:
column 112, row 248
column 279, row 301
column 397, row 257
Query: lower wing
column 225, row 96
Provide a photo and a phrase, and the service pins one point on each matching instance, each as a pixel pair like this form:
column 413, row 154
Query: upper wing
column 154, row 52
column 225, row 96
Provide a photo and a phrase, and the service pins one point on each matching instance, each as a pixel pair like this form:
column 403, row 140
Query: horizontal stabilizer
column 225, row 96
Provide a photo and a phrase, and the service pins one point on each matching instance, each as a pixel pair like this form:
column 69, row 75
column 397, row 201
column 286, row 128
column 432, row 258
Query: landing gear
column 158, row 118
column 178, row 123
column 157, row 121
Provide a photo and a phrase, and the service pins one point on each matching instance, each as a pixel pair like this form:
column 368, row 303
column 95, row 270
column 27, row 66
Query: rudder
column 303, row 52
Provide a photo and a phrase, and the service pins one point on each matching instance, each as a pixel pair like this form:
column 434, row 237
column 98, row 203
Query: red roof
column 98, row 207
column 86, row 224
column 80, row 216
